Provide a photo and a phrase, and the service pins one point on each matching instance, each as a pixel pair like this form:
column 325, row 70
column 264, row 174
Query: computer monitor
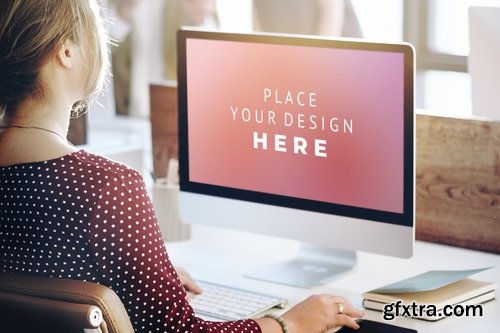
column 483, row 60
column 305, row 138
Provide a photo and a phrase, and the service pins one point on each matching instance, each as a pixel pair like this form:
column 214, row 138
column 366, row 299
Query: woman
column 68, row 213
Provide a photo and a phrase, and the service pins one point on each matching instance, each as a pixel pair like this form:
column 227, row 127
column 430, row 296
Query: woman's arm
column 131, row 256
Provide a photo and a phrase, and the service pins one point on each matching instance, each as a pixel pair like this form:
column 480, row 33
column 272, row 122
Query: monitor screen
column 315, row 125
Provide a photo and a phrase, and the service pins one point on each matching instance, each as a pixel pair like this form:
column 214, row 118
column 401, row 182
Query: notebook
column 425, row 296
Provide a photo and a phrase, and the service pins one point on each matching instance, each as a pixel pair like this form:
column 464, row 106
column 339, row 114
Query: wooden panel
column 458, row 182
column 164, row 118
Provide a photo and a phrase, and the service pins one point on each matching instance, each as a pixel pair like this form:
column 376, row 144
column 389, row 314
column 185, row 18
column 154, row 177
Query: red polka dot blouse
column 85, row 217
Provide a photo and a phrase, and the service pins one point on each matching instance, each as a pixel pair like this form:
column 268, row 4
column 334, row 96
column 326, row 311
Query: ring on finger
column 341, row 308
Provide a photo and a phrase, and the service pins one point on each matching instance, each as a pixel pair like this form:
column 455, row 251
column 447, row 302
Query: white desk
column 223, row 256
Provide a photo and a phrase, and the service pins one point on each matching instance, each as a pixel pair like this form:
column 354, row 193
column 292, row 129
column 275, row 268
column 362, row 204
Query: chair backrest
column 42, row 304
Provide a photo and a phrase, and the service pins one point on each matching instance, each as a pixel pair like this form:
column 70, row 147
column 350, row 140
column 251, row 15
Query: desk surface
column 223, row 256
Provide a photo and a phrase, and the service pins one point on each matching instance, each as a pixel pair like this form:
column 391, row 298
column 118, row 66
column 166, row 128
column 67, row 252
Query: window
column 381, row 19
column 439, row 31
column 235, row 15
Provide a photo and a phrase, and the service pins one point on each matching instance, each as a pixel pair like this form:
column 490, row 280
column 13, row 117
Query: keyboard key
column 229, row 303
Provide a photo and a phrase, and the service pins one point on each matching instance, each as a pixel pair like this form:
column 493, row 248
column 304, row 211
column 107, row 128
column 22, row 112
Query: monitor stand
column 314, row 265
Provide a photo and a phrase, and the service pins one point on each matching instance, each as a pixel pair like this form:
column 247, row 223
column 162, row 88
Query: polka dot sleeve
column 131, row 258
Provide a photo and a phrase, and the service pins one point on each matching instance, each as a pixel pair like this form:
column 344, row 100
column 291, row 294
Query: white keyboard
column 229, row 303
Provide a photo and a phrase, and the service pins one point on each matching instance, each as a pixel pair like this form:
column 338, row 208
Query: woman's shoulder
column 100, row 165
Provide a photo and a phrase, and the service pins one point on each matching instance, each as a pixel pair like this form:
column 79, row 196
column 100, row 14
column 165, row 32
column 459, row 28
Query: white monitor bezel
column 393, row 234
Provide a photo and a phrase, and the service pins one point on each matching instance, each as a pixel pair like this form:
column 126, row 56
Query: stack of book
column 432, row 296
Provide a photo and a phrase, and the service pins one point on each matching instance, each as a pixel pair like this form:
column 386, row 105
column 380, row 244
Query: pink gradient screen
column 315, row 123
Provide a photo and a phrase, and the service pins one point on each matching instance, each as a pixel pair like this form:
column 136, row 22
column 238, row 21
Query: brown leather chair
column 40, row 304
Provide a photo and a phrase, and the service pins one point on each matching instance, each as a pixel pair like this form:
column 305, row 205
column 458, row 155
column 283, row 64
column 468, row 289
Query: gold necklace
column 35, row 127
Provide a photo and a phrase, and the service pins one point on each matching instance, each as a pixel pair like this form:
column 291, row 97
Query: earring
column 79, row 109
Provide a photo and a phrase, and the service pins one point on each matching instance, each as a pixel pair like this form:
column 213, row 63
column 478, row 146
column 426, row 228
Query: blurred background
column 438, row 29
column 143, row 51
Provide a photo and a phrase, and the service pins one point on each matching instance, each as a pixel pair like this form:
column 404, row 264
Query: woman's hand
column 321, row 312
column 317, row 314
column 187, row 282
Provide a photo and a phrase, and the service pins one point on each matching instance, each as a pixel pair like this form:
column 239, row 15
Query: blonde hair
column 31, row 32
